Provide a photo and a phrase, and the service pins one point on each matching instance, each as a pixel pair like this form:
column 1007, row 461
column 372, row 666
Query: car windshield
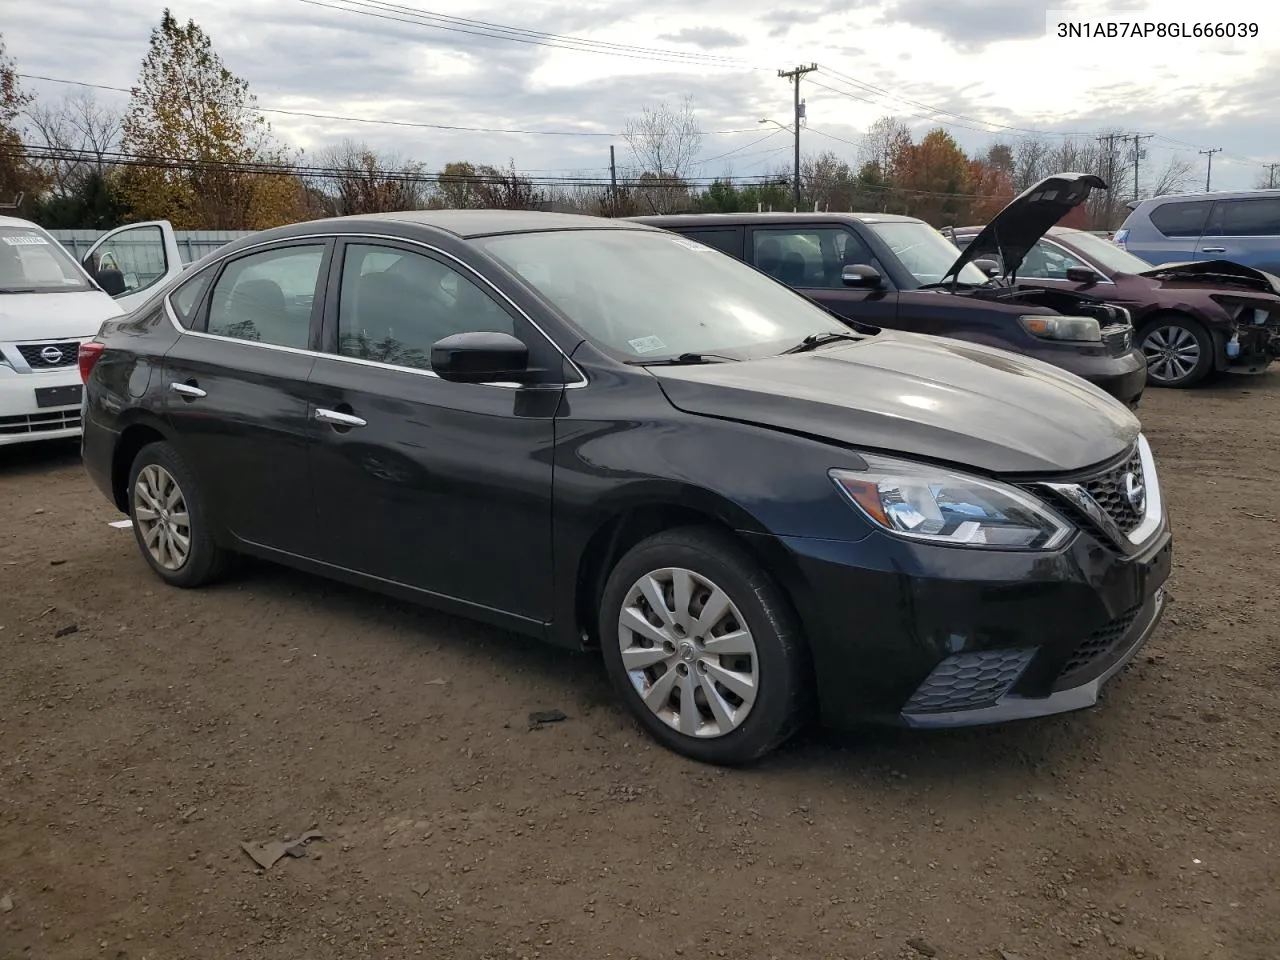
column 1105, row 252
column 925, row 253
column 33, row 262
column 648, row 295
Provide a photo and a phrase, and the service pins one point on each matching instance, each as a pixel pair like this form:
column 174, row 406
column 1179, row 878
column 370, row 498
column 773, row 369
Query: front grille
column 969, row 680
column 1100, row 643
column 1110, row 491
column 39, row 422
column 35, row 354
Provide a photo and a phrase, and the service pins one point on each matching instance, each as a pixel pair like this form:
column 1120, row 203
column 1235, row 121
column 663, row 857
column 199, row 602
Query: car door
column 1178, row 225
column 235, row 388
column 811, row 259
column 1245, row 231
column 131, row 261
column 437, row 486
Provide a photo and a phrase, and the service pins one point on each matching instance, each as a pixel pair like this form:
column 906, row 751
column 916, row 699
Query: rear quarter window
column 1184, row 218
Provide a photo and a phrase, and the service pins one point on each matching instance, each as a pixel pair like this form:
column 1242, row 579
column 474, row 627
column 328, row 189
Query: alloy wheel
column 160, row 511
column 688, row 652
column 1172, row 353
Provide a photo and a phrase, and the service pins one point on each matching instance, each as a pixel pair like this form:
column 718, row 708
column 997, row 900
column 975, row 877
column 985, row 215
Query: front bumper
column 22, row 419
column 1258, row 347
column 1124, row 377
column 929, row 636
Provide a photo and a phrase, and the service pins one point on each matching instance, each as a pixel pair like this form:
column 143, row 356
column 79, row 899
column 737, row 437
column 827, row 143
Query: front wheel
column 1179, row 351
column 704, row 648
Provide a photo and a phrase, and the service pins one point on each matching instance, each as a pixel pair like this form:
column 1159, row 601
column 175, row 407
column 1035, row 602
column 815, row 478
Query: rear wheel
column 704, row 648
column 170, row 521
column 1178, row 350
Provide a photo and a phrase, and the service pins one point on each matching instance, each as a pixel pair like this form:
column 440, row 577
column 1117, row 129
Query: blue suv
column 1243, row 227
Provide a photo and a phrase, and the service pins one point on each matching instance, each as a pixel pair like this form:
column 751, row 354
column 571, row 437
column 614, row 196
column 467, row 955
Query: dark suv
column 899, row 272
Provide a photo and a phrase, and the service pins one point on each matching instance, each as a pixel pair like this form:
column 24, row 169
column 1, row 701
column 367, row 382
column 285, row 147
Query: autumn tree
column 989, row 180
column 17, row 176
column 209, row 150
column 466, row 186
column 358, row 179
column 933, row 175
column 664, row 142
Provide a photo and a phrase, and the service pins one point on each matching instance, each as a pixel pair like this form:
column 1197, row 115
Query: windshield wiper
column 684, row 359
column 19, row 290
column 815, row 340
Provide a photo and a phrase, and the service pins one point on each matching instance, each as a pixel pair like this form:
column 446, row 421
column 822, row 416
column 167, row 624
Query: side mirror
column 860, row 275
column 988, row 266
column 1083, row 275
column 480, row 358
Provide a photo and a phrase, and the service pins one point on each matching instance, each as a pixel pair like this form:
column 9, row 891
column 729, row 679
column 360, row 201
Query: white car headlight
column 929, row 503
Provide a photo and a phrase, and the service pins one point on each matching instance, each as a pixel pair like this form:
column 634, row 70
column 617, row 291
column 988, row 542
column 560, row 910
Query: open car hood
column 1027, row 218
column 1222, row 272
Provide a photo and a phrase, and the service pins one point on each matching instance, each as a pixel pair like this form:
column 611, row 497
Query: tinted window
column 1181, row 219
column 808, row 256
column 132, row 260
column 727, row 240
column 267, row 297
column 186, row 300
column 31, row 260
column 924, row 252
column 395, row 304
column 604, row 282
column 1246, row 218
column 1047, row 261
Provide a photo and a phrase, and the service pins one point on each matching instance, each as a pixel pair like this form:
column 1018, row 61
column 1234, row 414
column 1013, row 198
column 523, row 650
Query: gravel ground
column 145, row 733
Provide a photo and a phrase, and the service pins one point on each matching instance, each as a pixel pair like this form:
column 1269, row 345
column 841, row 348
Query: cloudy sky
column 985, row 69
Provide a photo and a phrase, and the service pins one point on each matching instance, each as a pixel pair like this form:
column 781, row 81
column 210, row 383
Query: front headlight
column 1063, row 328
column 929, row 503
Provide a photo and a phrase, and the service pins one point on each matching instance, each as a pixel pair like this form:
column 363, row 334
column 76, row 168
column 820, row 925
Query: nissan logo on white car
column 51, row 355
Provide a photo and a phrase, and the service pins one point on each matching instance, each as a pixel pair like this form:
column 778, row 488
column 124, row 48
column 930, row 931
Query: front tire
column 1179, row 351
column 704, row 648
column 170, row 522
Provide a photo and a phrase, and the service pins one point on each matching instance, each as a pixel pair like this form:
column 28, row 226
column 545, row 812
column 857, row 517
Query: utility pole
column 1109, row 174
column 794, row 76
column 1208, row 174
column 1137, row 154
column 613, row 181
column 1271, row 175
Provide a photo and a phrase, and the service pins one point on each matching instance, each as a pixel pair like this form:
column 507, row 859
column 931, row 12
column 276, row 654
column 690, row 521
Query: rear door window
column 1184, row 218
column 1245, row 218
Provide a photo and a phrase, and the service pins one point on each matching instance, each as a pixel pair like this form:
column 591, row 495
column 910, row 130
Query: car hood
column 54, row 316
column 920, row 396
column 1217, row 273
column 1027, row 218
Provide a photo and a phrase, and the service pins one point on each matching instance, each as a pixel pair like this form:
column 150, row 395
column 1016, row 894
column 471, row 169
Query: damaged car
column 1192, row 319
column 900, row 273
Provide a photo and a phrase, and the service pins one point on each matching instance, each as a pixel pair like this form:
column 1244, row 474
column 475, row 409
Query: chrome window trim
column 325, row 237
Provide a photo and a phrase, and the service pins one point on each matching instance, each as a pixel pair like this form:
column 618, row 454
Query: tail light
column 89, row 355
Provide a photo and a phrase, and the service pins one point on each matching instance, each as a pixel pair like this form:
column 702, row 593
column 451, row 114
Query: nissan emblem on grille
column 51, row 355
column 1135, row 492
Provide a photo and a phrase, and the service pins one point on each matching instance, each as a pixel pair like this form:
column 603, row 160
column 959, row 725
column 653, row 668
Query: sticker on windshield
column 29, row 240
column 646, row 344
column 691, row 244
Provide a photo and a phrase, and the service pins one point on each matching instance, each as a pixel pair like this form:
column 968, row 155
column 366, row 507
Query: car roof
column 710, row 219
column 1213, row 195
column 18, row 222
column 468, row 224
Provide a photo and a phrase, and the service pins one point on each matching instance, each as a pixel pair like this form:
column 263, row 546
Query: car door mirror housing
column 480, row 357
column 989, row 267
column 1082, row 275
column 860, row 275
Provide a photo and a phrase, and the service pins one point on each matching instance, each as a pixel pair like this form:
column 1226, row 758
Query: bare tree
column 1030, row 162
column 465, row 186
column 664, row 140
column 1174, row 177
column 827, row 181
column 84, row 132
column 882, row 144
column 358, row 179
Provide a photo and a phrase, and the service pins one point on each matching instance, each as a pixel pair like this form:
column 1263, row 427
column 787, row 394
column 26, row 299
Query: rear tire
column 170, row 519
column 1179, row 351
column 714, row 666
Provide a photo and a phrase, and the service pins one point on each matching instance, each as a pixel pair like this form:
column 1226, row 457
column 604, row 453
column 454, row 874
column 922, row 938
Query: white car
column 49, row 305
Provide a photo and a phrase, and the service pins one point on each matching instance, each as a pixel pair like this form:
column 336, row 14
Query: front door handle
column 189, row 390
column 1213, row 249
column 339, row 419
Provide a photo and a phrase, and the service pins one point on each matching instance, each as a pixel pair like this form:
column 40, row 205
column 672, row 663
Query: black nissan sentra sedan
column 606, row 435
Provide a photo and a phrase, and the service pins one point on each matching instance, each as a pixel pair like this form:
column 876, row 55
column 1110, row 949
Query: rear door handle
column 339, row 419
column 1213, row 249
column 187, row 390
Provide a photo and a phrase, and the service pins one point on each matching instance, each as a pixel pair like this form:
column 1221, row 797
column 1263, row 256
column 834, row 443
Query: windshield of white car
column 925, row 253
column 650, row 296
column 33, row 262
column 1105, row 252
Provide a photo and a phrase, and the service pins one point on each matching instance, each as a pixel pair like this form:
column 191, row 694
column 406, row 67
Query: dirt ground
column 146, row 732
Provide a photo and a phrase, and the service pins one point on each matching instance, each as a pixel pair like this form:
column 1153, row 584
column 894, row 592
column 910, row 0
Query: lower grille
column 39, row 422
column 1099, row 644
column 969, row 680
column 49, row 356
column 1110, row 491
